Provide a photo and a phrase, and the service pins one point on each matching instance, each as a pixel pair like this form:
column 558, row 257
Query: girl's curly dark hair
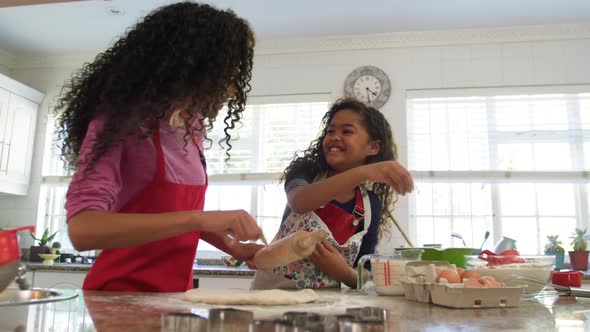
column 312, row 161
column 181, row 52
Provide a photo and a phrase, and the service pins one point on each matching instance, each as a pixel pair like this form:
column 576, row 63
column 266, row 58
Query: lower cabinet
column 64, row 280
column 223, row 282
column 74, row 280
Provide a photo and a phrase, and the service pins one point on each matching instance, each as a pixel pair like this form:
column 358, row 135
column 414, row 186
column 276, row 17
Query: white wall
column 6, row 60
column 497, row 58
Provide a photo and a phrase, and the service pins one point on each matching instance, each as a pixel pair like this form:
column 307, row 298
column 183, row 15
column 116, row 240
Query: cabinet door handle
column 7, row 157
column 1, row 154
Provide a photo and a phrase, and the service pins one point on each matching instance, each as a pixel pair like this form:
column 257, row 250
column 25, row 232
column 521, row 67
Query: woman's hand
column 231, row 226
column 391, row 173
column 238, row 250
column 245, row 251
column 329, row 260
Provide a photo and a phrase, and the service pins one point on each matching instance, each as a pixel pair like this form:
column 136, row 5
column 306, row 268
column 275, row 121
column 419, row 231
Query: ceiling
column 86, row 26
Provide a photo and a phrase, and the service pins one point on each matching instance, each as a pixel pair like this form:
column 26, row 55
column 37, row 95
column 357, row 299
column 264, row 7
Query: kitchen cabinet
column 62, row 280
column 222, row 282
column 19, row 106
column 72, row 276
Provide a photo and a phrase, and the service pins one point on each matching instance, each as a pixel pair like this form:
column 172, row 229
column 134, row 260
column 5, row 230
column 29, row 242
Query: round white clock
column 368, row 84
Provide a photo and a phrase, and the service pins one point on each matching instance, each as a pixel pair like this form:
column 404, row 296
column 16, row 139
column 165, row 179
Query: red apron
column 342, row 224
column 160, row 266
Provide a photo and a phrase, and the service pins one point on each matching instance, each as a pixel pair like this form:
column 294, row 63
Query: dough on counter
column 255, row 297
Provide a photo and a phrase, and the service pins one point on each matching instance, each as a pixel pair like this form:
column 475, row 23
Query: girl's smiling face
column 347, row 143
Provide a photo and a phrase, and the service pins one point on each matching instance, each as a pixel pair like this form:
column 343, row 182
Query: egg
column 470, row 274
column 489, row 282
column 460, row 270
column 450, row 275
column 472, row 283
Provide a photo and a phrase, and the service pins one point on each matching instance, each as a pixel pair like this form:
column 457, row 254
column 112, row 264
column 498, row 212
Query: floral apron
column 340, row 226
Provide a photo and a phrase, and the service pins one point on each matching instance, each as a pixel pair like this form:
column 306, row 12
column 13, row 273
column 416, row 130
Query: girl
column 132, row 124
column 326, row 190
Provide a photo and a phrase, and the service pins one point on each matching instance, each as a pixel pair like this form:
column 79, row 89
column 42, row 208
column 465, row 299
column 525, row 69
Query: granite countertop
column 104, row 311
column 198, row 269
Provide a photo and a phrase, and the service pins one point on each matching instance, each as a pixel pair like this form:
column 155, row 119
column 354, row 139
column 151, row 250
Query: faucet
column 20, row 279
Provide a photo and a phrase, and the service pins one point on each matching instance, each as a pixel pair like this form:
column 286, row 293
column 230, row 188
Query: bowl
column 452, row 255
column 502, row 268
column 230, row 261
column 48, row 258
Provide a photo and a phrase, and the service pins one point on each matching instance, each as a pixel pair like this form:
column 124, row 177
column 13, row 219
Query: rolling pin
column 296, row 246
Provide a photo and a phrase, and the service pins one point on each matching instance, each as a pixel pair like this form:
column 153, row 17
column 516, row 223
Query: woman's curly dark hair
column 312, row 161
column 184, row 51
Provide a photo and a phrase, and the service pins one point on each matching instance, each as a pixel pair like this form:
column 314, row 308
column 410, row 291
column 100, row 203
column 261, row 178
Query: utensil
column 505, row 244
column 12, row 297
column 401, row 230
column 485, row 238
column 229, row 319
column 460, row 237
column 183, row 321
column 561, row 290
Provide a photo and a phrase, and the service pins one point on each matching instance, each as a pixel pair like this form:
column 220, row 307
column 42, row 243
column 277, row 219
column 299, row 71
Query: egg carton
column 457, row 296
column 417, row 287
column 415, row 291
column 423, row 289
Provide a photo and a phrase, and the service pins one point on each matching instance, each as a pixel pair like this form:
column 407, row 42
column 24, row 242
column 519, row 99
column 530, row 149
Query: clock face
column 368, row 84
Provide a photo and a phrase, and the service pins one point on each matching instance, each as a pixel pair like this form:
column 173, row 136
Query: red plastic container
column 567, row 278
column 9, row 248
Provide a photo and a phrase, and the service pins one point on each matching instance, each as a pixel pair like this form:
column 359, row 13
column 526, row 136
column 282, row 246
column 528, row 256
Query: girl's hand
column 391, row 173
column 329, row 260
column 231, row 226
column 245, row 251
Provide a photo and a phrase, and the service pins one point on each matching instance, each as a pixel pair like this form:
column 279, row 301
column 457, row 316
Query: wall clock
column 368, row 84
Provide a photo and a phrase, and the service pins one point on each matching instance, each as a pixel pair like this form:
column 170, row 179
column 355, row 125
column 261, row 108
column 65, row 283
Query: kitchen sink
column 34, row 296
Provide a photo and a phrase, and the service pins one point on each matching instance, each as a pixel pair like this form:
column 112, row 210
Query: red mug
column 567, row 278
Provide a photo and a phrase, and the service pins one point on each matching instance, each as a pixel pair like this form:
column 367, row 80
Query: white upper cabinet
column 19, row 105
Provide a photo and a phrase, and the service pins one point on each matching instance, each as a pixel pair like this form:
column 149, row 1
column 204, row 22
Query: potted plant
column 42, row 247
column 579, row 257
column 555, row 248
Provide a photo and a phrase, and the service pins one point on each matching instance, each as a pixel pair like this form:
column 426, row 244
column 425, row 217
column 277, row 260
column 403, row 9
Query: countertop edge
column 199, row 270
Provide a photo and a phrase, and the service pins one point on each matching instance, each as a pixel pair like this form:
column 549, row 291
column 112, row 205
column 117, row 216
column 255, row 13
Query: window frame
column 578, row 177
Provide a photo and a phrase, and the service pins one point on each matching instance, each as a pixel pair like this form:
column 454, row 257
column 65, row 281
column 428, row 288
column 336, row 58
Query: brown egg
column 470, row 274
column 460, row 270
column 472, row 283
column 451, row 275
column 489, row 282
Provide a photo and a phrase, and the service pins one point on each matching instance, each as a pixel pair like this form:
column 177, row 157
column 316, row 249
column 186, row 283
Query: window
column 273, row 129
column 511, row 161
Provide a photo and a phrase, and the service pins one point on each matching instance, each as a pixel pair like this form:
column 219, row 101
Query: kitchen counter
column 198, row 269
column 108, row 311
